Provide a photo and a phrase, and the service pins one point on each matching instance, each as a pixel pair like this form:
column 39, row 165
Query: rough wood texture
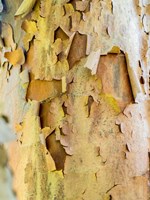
column 74, row 84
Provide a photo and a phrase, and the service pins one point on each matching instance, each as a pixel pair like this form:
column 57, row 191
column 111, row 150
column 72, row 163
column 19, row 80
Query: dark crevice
column 5, row 118
column 90, row 102
column 42, row 16
column 64, row 108
column 110, row 197
column 84, row 191
column 61, row 132
column 112, row 188
column 104, row 162
column 96, row 176
column 107, row 31
column 98, row 152
column 56, row 150
column 119, row 127
column 70, row 20
column 64, row 10
column 82, row 16
column 140, row 66
column 112, row 7
column 147, row 33
column 142, row 81
column 43, row 114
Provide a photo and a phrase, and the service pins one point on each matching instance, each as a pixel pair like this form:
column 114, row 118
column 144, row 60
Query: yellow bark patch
column 29, row 26
column 15, row 57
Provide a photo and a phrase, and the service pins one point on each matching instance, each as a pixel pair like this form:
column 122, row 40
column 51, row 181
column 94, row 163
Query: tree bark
column 74, row 82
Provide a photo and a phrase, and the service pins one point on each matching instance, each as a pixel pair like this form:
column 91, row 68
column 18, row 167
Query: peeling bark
column 74, row 84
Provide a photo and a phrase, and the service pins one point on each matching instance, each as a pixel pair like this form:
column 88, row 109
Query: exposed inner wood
column 112, row 70
column 78, row 49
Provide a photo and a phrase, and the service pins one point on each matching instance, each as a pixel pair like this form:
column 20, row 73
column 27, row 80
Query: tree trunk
column 74, row 87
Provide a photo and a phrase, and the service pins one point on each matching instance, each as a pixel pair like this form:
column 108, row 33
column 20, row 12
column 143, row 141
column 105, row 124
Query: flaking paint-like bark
column 74, row 84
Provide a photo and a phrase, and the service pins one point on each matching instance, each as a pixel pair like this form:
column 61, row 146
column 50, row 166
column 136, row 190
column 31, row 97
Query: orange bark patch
column 15, row 57
column 42, row 90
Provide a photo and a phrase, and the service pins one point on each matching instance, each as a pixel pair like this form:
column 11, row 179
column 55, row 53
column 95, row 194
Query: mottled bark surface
column 74, row 84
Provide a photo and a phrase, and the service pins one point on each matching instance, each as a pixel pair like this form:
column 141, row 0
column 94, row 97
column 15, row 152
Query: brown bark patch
column 78, row 49
column 112, row 70
column 56, row 150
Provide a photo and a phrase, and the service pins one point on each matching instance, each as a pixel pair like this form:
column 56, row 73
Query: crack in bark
column 112, row 188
